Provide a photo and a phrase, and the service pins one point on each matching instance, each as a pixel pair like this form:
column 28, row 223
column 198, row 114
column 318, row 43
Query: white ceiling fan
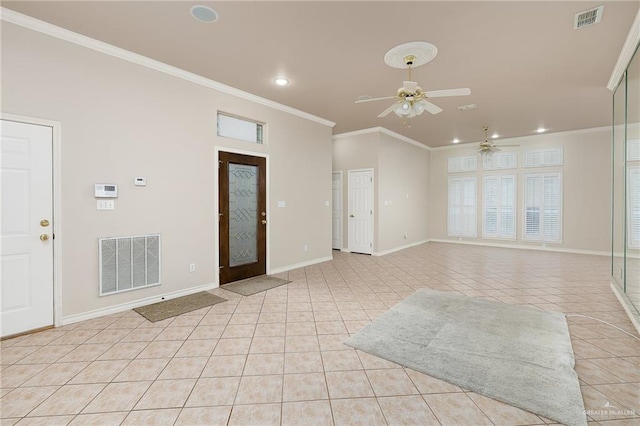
column 487, row 148
column 411, row 100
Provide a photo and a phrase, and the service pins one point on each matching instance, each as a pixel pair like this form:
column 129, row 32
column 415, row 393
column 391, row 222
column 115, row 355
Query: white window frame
column 547, row 157
column 467, row 163
column 467, row 220
column 239, row 128
column 540, row 236
column 499, row 207
column 500, row 160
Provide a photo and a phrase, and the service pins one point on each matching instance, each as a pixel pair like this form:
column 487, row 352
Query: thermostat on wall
column 140, row 181
column 106, row 190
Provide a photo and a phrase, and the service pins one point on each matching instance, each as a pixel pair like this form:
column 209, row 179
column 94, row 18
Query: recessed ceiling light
column 495, row 136
column 456, row 140
column 541, row 130
column 204, row 14
column 281, row 81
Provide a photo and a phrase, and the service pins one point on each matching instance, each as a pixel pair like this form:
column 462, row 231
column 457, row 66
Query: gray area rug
column 180, row 305
column 518, row 355
column 254, row 285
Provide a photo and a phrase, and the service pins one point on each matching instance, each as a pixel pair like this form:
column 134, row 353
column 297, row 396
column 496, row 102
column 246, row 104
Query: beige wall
column 403, row 184
column 401, row 174
column 586, row 177
column 121, row 120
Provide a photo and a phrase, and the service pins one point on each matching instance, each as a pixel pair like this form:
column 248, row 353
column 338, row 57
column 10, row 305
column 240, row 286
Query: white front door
column 336, row 215
column 26, row 228
column 361, row 211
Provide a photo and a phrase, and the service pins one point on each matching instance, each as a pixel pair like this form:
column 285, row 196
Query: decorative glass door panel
column 243, row 216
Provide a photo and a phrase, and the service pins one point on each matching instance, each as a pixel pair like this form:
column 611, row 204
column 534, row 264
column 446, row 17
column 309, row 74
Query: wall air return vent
column 588, row 17
column 129, row 263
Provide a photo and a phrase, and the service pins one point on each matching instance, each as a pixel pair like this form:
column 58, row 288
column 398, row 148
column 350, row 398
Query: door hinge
column 370, row 211
column 221, row 267
column 370, row 179
column 370, row 244
column 219, row 163
column 53, row 236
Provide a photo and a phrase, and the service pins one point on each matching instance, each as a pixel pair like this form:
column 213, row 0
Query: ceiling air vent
column 588, row 17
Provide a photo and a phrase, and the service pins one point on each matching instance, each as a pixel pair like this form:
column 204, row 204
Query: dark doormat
column 254, row 285
column 180, row 305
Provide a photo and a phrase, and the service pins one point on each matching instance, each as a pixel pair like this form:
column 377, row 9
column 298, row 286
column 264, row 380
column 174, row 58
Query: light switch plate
column 106, row 204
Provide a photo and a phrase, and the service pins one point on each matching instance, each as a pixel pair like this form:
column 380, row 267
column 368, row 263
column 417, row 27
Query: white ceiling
column 525, row 64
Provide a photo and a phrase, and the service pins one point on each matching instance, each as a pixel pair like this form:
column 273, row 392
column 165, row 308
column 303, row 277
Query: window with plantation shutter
column 499, row 207
column 633, row 150
column 500, row 160
column 462, row 164
column 633, row 221
column 543, row 207
column 462, row 207
column 543, row 157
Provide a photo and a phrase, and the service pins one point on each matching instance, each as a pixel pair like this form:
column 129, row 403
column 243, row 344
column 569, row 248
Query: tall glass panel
column 243, row 214
column 632, row 282
column 618, row 213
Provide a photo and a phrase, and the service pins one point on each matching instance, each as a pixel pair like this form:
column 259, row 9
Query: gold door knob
column 44, row 237
column 264, row 222
column 44, row 222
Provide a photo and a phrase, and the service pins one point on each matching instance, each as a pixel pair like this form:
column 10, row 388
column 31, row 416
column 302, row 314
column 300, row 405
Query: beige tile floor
column 277, row 357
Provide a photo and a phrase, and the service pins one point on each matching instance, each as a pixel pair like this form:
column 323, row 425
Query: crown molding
column 31, row 23
column 628, row 49
column 384, row 131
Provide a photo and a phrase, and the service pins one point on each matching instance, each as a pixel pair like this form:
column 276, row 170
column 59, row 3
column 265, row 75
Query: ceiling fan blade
column 432, row 108
column 388, row 110
column 410, row 86
column 359, row 101
column 448, row 92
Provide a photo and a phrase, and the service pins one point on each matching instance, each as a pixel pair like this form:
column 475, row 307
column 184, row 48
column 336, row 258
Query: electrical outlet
column 404, row 236
column 305, row 248
column 192, row 267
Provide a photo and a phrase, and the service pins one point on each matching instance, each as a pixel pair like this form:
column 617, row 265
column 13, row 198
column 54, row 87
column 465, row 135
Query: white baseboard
column 299, row 265
column 625, row 302
column 136, row 303
column 521, row 247
column 395, row 249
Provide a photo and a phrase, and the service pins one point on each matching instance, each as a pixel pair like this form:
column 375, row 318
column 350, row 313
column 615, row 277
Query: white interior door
column 361, row 211
column 26, row 228
column 337, row 211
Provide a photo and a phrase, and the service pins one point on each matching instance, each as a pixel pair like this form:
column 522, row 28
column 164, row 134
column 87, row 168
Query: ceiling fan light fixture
column 419, row 106
column 403, row 109
column 495, row 136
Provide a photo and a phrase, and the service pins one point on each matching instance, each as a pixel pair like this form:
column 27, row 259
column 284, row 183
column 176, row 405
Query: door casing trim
column 57, row 204
column 341, row 242
column 216, row 209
